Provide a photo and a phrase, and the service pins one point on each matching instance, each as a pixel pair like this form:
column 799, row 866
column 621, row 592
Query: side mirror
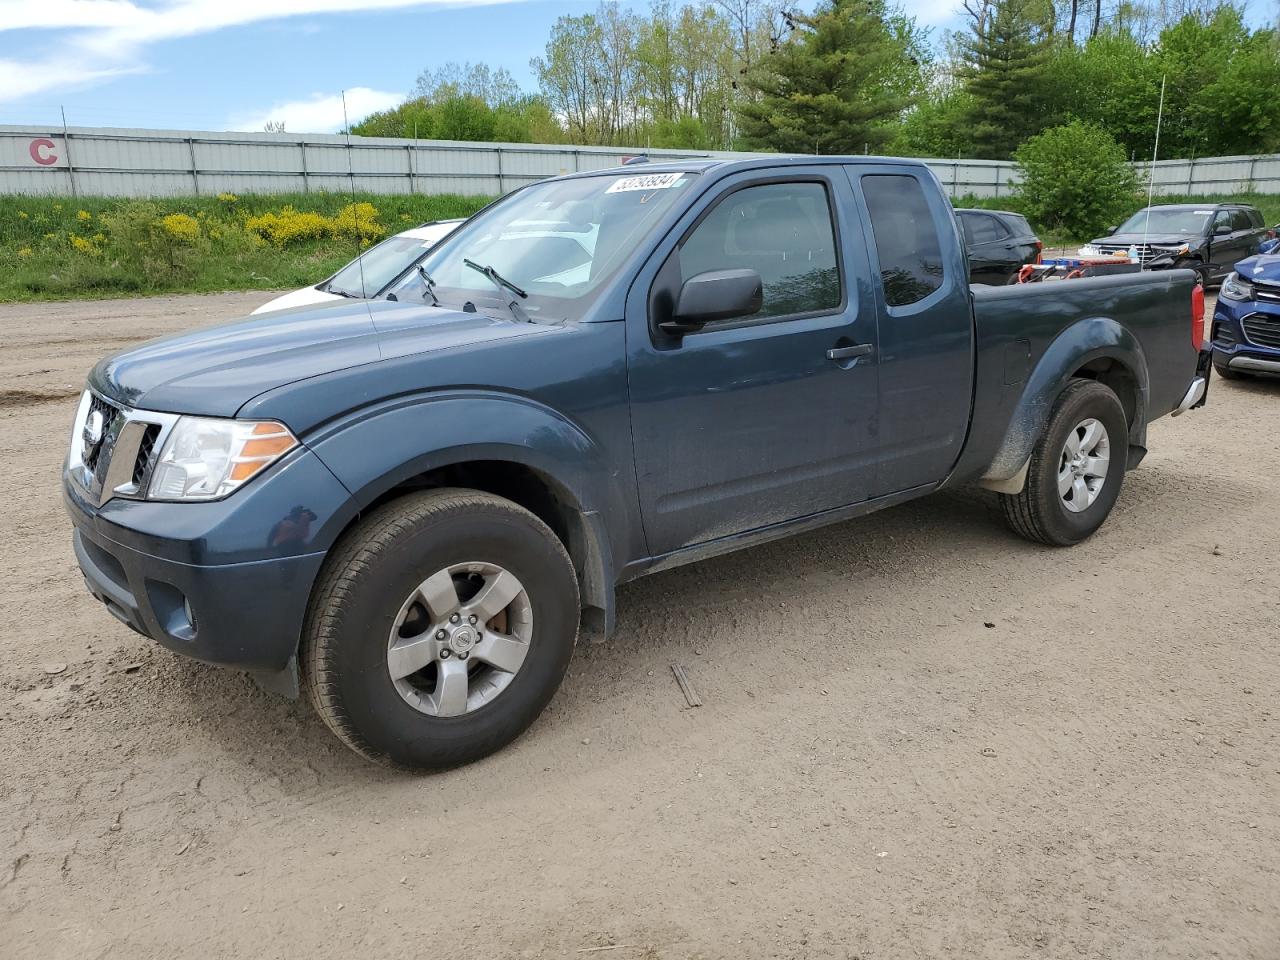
column 1111, row 230
column 715, row 295
column 1222, row 229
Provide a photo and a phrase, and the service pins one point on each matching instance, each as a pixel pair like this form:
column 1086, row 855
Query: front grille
column 109, row 412
column 145, row 448
column 1262, row 330
column 1267, row 292
column 1144, row 251
column 113, row 458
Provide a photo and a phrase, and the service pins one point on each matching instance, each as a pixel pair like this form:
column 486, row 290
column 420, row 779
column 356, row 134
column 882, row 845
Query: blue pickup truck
column 409, row 508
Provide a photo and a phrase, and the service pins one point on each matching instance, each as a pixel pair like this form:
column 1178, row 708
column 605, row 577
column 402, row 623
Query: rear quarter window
column 1020, row 226
column 906, row 237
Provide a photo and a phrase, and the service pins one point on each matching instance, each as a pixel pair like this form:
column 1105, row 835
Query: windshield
column 557, row 241
column 375, row 268
column 1168, row 220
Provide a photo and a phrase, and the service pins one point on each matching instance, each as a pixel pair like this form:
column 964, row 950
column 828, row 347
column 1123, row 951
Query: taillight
column 1197, row 316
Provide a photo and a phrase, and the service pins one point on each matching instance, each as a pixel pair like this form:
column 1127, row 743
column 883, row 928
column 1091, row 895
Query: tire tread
column 1025, row 511
column 355, row 554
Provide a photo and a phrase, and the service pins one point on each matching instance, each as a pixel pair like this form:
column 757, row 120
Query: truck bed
column 1030, row 338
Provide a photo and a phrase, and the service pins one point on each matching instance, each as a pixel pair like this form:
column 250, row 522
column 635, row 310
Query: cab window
column 907, row 245
column 784, row 232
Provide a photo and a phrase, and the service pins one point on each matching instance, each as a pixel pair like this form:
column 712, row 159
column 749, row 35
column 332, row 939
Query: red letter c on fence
column 38, row 154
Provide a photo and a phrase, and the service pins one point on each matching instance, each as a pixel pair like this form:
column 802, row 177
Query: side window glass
column 984, row 229
column 1223, row 219
column 784, row 232
column 906, row 238
column 1240, row 220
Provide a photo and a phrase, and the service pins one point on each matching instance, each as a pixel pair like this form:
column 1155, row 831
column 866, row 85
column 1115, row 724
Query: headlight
column 1089, row 250
column 205, row 458
column 1233, row 288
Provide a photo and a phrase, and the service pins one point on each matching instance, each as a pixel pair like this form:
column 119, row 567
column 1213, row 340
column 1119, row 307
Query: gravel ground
column 921, row 737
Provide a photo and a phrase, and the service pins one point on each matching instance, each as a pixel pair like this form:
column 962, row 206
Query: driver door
column 758, row 419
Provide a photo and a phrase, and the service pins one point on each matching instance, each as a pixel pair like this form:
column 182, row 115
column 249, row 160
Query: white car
column 370, row 273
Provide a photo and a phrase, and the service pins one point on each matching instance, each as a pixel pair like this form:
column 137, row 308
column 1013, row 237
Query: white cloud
column 105, row 38
column 320, row 114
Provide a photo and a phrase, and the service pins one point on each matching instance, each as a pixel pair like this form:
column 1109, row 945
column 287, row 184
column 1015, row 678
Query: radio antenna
column 1151, row 174
column 351, row 178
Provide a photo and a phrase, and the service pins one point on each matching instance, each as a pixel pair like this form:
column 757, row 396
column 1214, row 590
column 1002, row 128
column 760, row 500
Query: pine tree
column 1005, row 73
column 833, row 84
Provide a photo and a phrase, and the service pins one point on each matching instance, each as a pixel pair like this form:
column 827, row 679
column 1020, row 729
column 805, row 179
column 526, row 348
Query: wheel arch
column 1098, row 349
column 507, row 446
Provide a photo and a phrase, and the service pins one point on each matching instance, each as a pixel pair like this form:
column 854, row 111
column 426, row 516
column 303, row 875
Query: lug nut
column 463, row 655
column 455, row 618
column 440, row 634
column 444, row 654
column 472, row 619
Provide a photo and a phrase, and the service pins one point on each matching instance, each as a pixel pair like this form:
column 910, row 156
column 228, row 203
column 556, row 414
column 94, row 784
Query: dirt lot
column 921, row 738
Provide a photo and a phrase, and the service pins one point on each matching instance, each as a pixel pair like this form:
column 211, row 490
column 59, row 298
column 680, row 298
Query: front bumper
column 1245, row 336
column 243, row 615
column 225, row 582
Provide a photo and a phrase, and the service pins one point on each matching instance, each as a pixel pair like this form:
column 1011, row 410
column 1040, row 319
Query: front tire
column 439, row 629
column 1076, row 469
column 1225, row 372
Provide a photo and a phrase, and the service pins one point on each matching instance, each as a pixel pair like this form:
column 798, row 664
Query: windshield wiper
column 429, row 284
column 496, row 278
column 501, row 282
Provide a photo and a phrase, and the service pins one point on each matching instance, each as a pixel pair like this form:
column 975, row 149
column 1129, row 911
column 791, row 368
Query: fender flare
column 1095, row 338
column 377, row 448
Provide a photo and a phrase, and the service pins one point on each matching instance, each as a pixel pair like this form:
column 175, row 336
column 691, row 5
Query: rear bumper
column 1197, row 394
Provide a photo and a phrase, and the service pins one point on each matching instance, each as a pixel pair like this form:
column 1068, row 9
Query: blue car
column 1246, row 322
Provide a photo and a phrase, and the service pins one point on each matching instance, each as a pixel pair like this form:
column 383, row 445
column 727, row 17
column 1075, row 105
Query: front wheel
column 439, row 628
column 1076, row 468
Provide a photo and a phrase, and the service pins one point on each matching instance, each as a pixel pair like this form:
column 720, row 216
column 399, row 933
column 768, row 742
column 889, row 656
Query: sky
column 237, row 64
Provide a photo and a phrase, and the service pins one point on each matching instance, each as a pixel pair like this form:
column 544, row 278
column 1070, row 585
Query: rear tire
column 417, row 682
column 1064, row 500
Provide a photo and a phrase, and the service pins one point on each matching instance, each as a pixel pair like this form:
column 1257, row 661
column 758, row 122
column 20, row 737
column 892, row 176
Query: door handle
column 844, row 353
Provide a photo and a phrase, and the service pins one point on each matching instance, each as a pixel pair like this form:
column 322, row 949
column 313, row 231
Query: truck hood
column 216, row 370
column 1264, row 267
column 1155, row 239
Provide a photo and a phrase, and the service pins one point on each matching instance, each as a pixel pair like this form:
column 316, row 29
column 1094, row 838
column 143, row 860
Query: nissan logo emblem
column 93, row 429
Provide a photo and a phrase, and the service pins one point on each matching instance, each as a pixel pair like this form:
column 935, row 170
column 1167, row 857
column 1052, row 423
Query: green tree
column 1075, row 178
column 937, row 126
column 1005, row 73
column 1222, row 81
column 833, row 86
column 1113, row 81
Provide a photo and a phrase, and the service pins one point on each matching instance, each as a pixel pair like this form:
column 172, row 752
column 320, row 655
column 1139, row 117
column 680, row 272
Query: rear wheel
column 1076, row 468
column 440, row 628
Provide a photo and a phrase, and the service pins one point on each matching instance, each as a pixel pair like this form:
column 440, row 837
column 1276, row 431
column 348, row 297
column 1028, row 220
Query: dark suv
column 999, row 243
column 1207, row 237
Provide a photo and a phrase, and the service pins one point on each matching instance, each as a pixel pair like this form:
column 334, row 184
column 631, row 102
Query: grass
column 61, row 248
column 64, row 248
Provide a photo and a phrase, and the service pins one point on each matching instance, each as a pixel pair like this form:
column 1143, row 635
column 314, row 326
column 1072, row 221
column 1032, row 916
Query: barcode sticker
column 652, row 181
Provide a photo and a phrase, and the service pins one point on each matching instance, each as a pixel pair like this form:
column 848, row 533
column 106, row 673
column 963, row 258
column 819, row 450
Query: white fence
column 93, row 161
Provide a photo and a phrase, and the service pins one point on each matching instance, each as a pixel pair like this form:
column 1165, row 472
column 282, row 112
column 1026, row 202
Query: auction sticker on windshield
column 652, row 181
